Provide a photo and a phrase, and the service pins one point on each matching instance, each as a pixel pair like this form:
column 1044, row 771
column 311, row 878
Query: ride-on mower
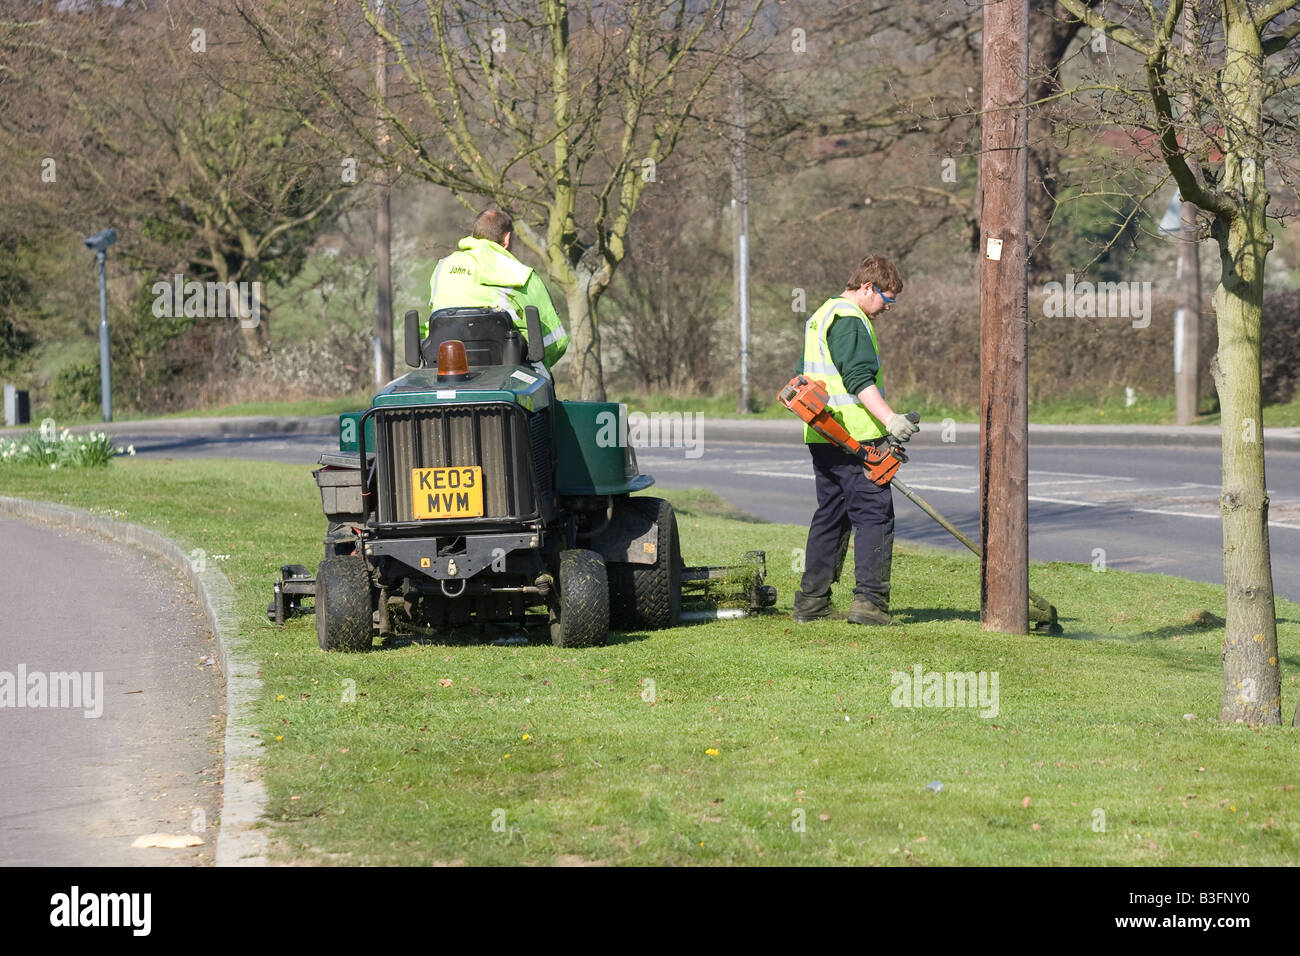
column 467, row 494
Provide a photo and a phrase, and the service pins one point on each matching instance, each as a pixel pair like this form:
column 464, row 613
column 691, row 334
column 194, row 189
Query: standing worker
column 840, row 351
column 483, row 273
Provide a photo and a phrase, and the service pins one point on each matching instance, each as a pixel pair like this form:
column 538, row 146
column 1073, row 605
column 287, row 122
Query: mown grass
column 759, row 741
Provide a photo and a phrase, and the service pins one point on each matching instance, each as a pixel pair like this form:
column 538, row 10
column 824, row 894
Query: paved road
column 76, row 790
column 1156, row 511
column 1148, row 509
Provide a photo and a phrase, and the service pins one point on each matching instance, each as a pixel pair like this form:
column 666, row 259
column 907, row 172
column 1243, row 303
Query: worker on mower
column 484, row 273
column 840, row 351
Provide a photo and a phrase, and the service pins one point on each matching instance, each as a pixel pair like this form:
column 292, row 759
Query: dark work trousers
column 848, row 499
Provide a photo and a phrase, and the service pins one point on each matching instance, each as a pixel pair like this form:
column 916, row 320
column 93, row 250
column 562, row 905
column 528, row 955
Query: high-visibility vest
column 817, row 364
column 484, row 274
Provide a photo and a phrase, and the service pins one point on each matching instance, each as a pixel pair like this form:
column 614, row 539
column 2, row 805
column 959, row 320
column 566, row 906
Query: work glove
column 902, row 427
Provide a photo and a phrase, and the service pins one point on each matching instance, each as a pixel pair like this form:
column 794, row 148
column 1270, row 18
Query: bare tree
column 1223, row 117
column 562, row 113
column 158, row 118
column 672, row 297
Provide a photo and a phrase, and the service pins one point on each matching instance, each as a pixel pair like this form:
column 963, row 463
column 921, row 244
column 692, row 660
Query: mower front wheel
column 580, row 611
column 344, row 605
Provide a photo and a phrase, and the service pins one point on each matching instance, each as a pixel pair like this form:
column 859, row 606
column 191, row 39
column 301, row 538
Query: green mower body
column 472, row 497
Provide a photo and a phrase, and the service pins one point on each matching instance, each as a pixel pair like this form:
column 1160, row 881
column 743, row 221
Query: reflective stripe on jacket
column 844, row 405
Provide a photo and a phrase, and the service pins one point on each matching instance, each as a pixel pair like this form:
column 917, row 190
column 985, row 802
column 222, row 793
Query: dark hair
column 493, row 224
column 880, row 272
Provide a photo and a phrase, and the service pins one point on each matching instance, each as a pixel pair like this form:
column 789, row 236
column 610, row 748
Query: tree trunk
column 1252, row 683
column 1252, row 686
column 383, row 226
column 584, row 337
column 257, row 338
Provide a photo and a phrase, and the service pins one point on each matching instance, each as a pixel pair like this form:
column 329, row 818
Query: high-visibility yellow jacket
column 844, row 405
column 482, row 273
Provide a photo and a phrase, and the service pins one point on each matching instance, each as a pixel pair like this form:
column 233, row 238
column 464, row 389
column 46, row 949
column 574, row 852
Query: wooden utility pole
column 740, row 229
column 1004, row 314
column 383, row 228
column 1187, row 318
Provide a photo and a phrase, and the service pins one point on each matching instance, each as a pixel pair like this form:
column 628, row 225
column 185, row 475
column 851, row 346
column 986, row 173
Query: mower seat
column 489, row 335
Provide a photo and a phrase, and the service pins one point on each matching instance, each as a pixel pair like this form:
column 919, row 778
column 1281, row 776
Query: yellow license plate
column 447, row 492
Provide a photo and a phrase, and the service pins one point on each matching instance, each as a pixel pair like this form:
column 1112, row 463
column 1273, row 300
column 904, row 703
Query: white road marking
column 1069, row 501
column 1077, row 474
column 957, row 491
column 1067, row 481
column 776, row 474
column 1122, row 501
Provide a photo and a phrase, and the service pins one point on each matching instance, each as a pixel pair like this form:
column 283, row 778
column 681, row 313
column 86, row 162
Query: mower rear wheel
column 580, row 609
column 344, row 605
column 649, row 596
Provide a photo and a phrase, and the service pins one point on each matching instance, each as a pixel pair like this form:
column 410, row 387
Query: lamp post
column 100, row 242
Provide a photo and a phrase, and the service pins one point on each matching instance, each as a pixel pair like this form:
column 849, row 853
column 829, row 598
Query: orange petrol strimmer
column 808, row 399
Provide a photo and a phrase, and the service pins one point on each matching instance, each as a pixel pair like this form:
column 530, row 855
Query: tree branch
column 1130, row 38
column 1273, row 11
column 1280, row 40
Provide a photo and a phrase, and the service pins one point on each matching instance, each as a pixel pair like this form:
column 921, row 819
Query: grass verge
column 304, row 408
column 1111, row 408
column 753, row 741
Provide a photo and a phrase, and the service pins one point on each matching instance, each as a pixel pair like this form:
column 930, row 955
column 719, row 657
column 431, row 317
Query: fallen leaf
column 1025, row 802
column 445, row 682
column 824, row 817
column 167, row 841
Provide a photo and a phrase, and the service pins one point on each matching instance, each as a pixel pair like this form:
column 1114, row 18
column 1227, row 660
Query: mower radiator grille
column 494, row 437
column 540, row 427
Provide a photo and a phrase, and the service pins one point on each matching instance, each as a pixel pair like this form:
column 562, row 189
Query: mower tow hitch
column 294, row 583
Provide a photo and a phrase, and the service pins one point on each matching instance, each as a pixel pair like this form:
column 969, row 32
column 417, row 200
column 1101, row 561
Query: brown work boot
column 864, row 612
column 808, row 609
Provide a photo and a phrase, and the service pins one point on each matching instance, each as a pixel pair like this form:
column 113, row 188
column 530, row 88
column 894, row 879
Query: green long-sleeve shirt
column 852, row 353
